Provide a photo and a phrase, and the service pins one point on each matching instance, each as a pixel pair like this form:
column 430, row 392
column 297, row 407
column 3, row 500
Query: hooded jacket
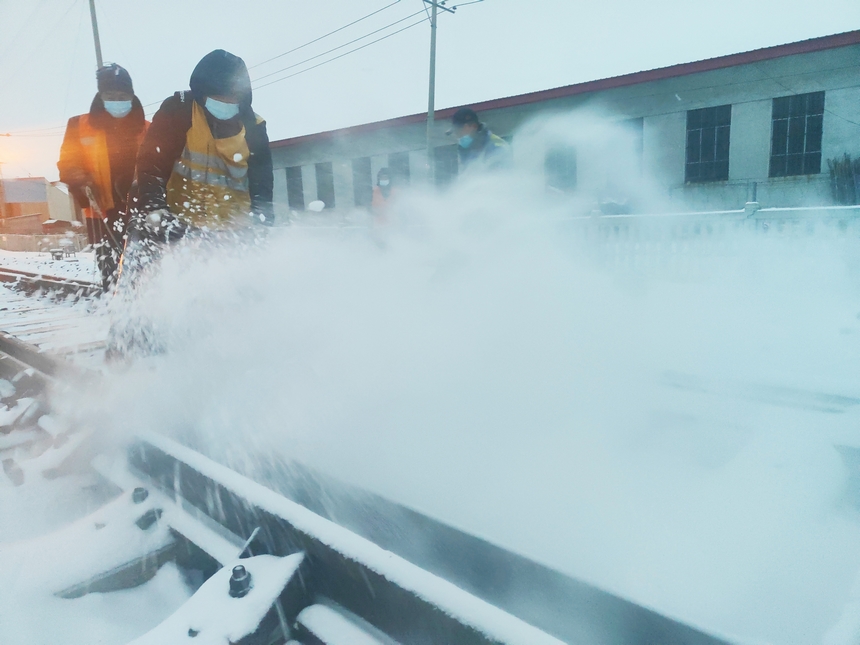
column 489, row 149
column 218, row 73
column 101, row 150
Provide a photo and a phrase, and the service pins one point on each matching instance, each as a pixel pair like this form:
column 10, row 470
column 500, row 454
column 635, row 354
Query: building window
column 708, row 133
column 295, row 188
column 362, row 182
column 795, row 147
column 398, row 166
column 560, row 168
column 325, row 183
column 447, row 164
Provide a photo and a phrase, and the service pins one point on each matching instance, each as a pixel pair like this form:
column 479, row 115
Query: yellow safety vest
column 209, row 183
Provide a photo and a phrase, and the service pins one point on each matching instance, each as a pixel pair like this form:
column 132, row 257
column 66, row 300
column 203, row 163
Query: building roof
column 32, row 190
column 721, row 62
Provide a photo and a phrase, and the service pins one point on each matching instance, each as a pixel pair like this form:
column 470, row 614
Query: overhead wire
column 58, row 130
column 324, row 36
column 325, row 62
column 334, row 49
column 351, row 51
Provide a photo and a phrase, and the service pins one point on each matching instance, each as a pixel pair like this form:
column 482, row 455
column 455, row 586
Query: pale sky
column 487, row 50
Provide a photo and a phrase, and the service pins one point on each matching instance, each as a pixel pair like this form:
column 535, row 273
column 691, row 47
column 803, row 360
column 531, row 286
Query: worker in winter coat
column 383, row 193
column 205, row 164
column 97, row 163
column 477, row 146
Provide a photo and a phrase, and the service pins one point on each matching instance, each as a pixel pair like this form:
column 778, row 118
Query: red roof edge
column 822, row 43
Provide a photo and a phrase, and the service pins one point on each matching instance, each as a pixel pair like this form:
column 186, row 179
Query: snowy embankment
column 80, row 266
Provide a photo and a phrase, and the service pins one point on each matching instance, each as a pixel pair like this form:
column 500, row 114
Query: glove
column 78, row 181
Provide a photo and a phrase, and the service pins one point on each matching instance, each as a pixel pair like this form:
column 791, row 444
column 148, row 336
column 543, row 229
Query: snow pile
column 473, row 362
column 39, row 558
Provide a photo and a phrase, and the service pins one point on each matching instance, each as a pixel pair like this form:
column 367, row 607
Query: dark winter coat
column 489, row 149
column 165, row 142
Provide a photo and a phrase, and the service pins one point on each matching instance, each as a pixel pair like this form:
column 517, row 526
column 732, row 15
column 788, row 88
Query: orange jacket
column 100, row 157
column 380, row 202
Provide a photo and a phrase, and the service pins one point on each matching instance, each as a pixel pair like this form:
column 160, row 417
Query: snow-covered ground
column 38, row 549
column 80, row 266
column 664, row 432
column 658, row 416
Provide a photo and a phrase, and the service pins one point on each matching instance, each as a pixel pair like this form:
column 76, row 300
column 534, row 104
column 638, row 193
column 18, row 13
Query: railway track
column 285, row 556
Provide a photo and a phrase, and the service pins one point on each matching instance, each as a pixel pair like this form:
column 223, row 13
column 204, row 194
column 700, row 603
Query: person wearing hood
column 476, row 145
column 205, row 163
column 97, row 162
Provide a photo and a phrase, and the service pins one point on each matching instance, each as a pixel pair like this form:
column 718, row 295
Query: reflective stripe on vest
column 209, row 183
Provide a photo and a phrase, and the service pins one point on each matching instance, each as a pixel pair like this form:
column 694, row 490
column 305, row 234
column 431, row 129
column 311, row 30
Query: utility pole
column 431, row 99
column 99, row 61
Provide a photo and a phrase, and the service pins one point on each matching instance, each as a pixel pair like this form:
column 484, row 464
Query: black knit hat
column 113, row 78
column 463, row 116
column 220, row 73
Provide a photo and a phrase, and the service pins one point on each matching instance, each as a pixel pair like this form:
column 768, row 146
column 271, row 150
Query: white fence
column 652, row 241
column 41, row 243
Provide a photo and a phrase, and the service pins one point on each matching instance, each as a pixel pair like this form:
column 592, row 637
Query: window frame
column 707, row 144
column 796, row 135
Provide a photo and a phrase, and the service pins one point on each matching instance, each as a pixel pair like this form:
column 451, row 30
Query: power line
column 37, row 132
column 334, row 49
column 331, row 33
column 351, row 51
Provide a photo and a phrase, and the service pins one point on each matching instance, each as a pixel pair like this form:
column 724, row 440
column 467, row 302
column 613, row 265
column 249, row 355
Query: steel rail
column 412, row 578
column 559, row 606
column 30, row 281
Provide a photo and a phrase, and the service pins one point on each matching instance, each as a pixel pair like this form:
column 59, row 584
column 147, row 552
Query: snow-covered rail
column 56, row 315
column 510, row 599
column 278, row 569
column 29, row 281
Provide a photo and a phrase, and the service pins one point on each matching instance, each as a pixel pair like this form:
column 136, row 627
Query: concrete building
column 26, row 203
column 713, row 134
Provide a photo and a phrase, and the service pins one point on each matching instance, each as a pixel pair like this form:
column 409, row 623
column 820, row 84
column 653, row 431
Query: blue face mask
column 466, row 140
column 220, row 110
column 117, row 109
